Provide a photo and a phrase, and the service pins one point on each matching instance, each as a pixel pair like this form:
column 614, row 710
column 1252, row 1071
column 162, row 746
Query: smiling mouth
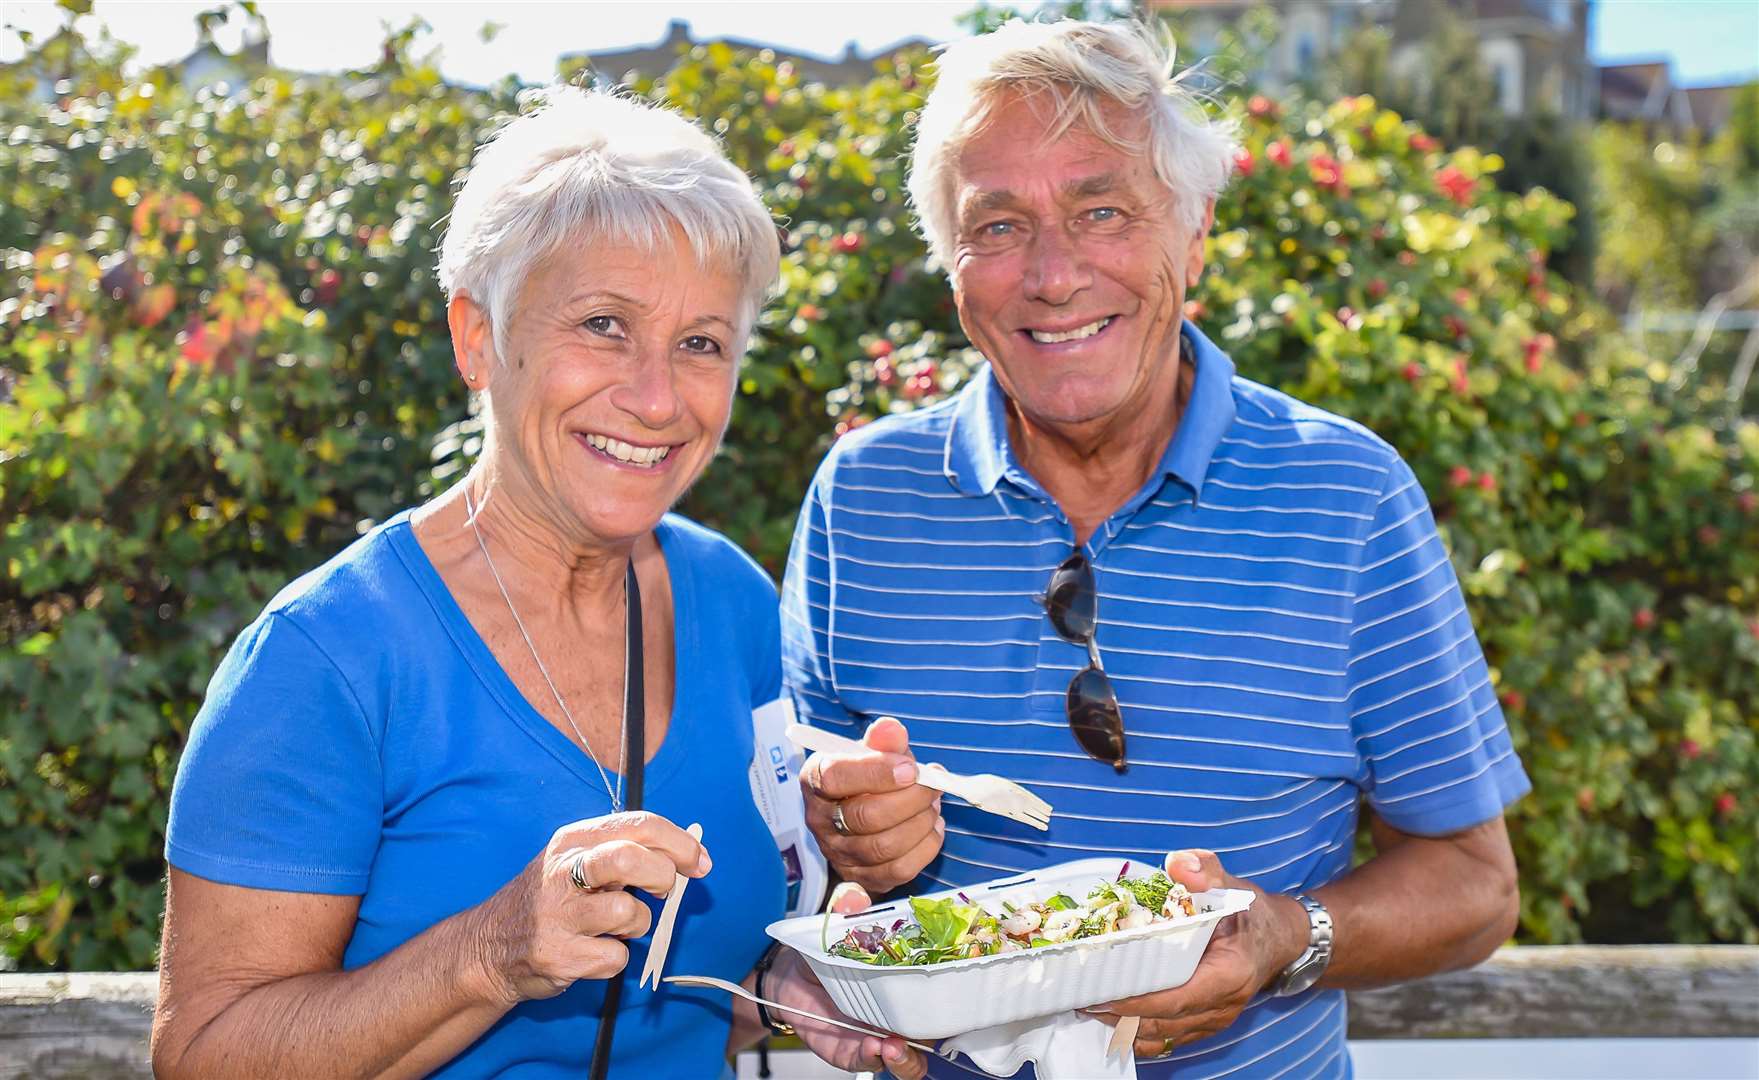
column 1079, row 333
column 640, row 457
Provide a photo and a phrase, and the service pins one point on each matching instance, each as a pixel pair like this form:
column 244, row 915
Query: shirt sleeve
column 1434, row 749
column 280, row 785
column 806, row 619
column 766, row 643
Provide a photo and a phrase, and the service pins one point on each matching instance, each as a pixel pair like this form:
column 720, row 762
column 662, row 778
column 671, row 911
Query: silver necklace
column 616, row 793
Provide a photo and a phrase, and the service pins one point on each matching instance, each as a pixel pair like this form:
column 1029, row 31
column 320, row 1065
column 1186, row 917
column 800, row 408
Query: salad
column 949, row 929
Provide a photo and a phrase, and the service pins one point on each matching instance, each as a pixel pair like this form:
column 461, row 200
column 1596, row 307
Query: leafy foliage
column 222, row 353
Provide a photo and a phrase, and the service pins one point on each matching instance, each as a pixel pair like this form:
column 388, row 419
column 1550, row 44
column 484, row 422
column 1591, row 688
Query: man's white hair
column 583, row 167
column 1078, row 67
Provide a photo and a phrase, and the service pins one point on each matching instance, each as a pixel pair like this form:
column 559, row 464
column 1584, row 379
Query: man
column 1281, row 634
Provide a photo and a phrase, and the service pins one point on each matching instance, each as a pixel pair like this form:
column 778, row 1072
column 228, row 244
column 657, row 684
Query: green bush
column 223, row 354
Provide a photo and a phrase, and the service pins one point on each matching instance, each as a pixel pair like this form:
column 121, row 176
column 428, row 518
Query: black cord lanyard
column 634, row 760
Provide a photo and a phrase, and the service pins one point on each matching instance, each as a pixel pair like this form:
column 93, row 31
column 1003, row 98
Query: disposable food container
column 941, row 1000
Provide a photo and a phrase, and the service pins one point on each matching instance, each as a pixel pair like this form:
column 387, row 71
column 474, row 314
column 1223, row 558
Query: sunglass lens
column 1095, row 719
column 1071, row 600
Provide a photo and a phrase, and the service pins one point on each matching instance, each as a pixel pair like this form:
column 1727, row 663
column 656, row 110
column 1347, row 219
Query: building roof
column 1711, row 105
column 656, row 59
column 1632, row 79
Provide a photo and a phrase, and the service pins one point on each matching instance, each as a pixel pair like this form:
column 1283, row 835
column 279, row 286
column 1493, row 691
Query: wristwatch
column 1310, row 965
column 775, row 1027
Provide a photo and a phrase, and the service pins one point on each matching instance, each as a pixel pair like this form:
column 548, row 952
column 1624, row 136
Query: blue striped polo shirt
column 1278, row 616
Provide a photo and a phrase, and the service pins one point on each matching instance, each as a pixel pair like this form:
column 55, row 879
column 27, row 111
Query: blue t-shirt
column 1277, row 615
column 360, row 739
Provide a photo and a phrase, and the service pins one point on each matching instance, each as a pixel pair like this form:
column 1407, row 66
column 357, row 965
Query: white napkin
column 1070, row 1046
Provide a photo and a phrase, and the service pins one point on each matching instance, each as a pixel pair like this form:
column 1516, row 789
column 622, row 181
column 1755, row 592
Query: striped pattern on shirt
column 1277, row 614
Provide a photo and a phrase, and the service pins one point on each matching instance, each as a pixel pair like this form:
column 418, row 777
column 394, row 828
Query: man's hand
column 892, row 827
column 794, row 984
column 1247, row 952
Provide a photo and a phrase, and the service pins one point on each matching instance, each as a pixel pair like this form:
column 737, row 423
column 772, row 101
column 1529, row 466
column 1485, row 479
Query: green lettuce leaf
column 943, row 922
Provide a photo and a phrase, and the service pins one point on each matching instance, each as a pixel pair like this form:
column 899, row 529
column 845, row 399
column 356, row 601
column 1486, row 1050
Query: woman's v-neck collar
column 501, row 687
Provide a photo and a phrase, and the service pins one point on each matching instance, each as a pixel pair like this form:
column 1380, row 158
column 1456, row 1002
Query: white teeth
column 1076, row 334
column 644, row 456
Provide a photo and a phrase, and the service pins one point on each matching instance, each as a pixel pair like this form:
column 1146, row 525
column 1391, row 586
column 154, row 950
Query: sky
column 1709, row 41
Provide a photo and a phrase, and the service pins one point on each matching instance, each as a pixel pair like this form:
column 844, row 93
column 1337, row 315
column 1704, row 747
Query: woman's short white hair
column 1080, row 67
column 586, row 166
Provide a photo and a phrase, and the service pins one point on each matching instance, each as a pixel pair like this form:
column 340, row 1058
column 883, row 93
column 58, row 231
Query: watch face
column 1303, row 977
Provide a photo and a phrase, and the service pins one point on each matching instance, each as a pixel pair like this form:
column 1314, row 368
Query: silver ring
column 837, row 821
column 577, row 874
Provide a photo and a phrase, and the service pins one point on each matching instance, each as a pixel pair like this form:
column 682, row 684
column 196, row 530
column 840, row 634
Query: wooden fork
column 662, row 939
column 986, row 791
column 739, row 991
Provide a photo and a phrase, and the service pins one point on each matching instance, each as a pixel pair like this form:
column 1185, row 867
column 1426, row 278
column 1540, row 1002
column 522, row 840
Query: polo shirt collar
column 978, row 454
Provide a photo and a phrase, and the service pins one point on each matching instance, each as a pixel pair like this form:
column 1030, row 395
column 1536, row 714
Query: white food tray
column 941, row 1000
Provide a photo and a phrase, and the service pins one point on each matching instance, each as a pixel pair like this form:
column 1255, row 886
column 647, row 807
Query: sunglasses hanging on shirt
column 1072, row 602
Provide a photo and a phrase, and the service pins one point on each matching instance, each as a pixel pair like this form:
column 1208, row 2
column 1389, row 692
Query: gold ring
column 1166, row 1047
column 837, row 821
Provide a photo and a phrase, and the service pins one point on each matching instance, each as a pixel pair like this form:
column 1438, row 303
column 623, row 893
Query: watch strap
column 764, row 1016
column 1311, row 964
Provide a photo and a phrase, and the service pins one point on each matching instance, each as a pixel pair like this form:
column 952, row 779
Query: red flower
column 1486, row 482
column 1455, row 327
column 884, row 372
column 810, row 312
column 1709, row 535
column 328, row 287
column 1422, row 143
column 1279, row 152
column 1261, row 106
column 877, row 349
column 1460, row 476
column 1643, row 619
column 1725, row 803
column 1514, row 700
column 1377, row 288
column 1536, row 348
column 1747, row 501
column 848, row 242
column 1413, row 371
column 1689, row 749
column 1407, row 258
column 1244, row 162
column 1325, row 170
column 1456, row 184
column 200, row 346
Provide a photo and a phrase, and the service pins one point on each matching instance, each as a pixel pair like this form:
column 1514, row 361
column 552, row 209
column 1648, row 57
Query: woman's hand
column 541, row 931
column 791, row 982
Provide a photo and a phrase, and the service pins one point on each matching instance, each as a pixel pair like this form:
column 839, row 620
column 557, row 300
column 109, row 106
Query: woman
column 397, row 838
